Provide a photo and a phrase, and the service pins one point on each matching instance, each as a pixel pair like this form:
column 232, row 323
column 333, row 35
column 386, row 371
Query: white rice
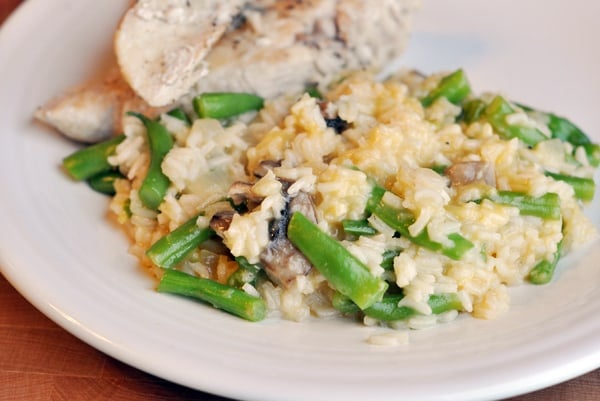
column 392, row 141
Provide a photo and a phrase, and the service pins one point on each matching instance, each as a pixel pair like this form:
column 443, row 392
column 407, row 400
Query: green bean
column 358, row 227
column 313, row 91
column 472, row 111
column 454, row 87
column 546, row 206
column 566, row 131
column 388, row 259
column 221, row 296
column 179, row 114
column 542, row 272
column 497, row 112
column 105, row 182
column 156, row 183
column 246, row 273
column 92, row 160
column 592, row 151
column 440, row 168
column 343, row 270
column 563, row 129
column 401, row 219
column 171, row 249
column 387, row 310
column 221, row 105
column 584, row 188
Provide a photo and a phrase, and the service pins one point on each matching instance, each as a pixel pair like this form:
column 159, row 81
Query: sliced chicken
column 170, row 51
column 93, row 111
column 285, row 45
column 160, row 44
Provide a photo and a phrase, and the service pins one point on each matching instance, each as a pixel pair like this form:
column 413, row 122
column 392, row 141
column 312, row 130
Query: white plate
column 60, row 252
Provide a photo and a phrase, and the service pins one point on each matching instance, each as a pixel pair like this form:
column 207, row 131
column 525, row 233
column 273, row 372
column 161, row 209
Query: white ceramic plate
column 60, row 252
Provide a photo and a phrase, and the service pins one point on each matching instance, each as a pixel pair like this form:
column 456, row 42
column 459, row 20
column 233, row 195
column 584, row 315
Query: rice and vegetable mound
column 404, row 202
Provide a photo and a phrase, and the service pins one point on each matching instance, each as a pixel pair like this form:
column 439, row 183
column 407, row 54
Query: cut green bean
column 546, row 206
column 387, row 310
column 313, row 91
column 497, row 112
column 584, row 188
column 440, row 168
column 566, row 131
column 358, row 227
column 221, row 296
column 563, row 129
column 171, row 249
column 222, row 105
column 91, row 160
column 454, row 87
column 401, row 219
column 179, row 114
column 472, row 111
column 246, row 273
column 388, row 259
column 105, row 182
column 156, row 183
column 542, row 272
column 343, row 270
column 592, row 151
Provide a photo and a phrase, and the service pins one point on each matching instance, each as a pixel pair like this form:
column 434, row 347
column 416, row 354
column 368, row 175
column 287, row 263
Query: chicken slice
column 160, row 44
column 93, row 111
column 284, row 45
column 271, row 48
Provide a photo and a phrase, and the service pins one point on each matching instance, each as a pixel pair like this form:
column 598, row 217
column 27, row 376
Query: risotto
column 404, row 202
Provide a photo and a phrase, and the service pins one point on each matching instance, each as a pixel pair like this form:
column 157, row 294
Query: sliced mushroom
column 160, row 44
column 221, row 220
column 282, row 261
column 264, row 167
column 241, row 193
column 463, row 173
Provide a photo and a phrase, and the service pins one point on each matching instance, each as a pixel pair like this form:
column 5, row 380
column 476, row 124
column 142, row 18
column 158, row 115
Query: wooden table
column 41, row 361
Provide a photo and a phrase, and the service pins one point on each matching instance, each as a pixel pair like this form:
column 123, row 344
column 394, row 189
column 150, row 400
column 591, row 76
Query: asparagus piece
column 219, row 295
column 175, row 246
column 156, row 183
column 343, row 270
column 92, row 160
column 221, row 105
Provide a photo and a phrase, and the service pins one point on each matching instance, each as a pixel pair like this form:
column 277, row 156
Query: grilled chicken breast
column 171, row 50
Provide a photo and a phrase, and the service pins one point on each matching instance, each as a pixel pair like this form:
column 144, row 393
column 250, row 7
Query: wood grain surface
column 41, row 361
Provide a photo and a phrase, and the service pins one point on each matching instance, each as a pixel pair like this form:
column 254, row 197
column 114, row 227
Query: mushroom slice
column 282, row 261
column 160, row 44
column 221, row 220
column 463, row 173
